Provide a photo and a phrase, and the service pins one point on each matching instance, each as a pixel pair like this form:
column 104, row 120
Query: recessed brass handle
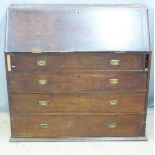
column 42, row 82
column 112, row 125
column 114, row 81
column 114, row 62
column 44, row 125
column 41, row 63
column 113, row 102
column 43, row 103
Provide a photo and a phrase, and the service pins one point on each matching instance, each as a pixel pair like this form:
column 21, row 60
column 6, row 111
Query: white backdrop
column 5, row 3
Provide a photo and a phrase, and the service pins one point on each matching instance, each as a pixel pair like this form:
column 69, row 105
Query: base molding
column 78, row 139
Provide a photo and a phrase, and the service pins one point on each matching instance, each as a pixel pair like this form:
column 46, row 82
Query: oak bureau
column 77, row 72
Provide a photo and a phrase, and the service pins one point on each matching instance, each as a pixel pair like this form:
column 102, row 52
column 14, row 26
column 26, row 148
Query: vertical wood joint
column 146, row 61
column 9, row 63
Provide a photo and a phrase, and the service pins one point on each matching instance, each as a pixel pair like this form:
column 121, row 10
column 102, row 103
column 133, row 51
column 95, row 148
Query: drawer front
column 82, row 82
column 77, row 126
column 77, row 103
column 76, row 61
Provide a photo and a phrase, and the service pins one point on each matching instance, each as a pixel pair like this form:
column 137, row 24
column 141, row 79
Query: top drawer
column 48, row 62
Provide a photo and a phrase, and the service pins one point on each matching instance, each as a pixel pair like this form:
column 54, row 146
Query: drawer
column 77, row 103
column 77, row 126
column 82, row 82
column 75, row 61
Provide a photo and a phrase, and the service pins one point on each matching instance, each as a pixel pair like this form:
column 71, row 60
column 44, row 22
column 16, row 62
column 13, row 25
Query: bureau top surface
column 73, row 28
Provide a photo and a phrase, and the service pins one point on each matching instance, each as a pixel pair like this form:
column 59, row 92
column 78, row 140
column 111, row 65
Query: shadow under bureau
column 77, row 72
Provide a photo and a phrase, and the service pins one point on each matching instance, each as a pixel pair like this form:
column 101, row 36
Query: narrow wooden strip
column 9, row 63
column 24, row 92
column 78, row 139
column 77, row 114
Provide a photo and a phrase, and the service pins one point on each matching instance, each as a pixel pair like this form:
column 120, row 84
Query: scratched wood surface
column 77, row 103
column 77, row 28
column 62, row 79
column 76, row 61
column 77, row 126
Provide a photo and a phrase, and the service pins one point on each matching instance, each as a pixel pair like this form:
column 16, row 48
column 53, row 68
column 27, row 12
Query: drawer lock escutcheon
column 43, row 103
column 113, row 102
column 112, row 125
column 114, row 81
column 44, row 125
column 41, row 63
column 42, row 82
column 114, row 62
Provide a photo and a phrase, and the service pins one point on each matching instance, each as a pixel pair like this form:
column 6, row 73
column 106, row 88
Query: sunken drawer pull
column 42, row 82
column 112, row 125
column 114, row 81
column 114, row 62
column 113, row 102
column 44, row 125
column 41, row 63
column 43, row 103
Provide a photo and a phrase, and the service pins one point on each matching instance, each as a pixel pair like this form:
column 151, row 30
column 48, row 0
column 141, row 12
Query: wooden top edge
column 121, row 52
column 72, row 6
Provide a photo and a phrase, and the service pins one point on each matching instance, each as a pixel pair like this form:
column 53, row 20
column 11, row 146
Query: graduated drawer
column 77, row 126
column 48, row 62
column 77, row 103
column 82, row 82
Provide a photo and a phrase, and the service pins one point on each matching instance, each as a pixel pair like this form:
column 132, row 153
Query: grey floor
column 76, row 148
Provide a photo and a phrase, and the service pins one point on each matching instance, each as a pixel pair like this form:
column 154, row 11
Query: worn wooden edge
column 78, row 51
column 66, row 52
column 28, row 6
column 78, row 114
column 78, row 139
column 80, row 92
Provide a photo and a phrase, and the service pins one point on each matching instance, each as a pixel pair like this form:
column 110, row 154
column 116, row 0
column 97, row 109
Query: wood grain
column 82, row 82
column 60, row 72
column 77, row 126
column 77, row 103
column 70, row 29
column 27, row 63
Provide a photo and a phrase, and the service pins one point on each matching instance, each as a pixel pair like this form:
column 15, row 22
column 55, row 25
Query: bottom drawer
column 77, row 126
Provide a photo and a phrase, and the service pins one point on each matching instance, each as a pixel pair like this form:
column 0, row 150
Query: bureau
column 77, row 72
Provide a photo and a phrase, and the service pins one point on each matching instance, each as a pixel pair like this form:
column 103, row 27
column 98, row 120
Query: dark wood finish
column 77, row 126
column 77, row 103
column 77, row 28
column 60, row 69
column 75, row 61
column 82, row 82
column 77, row 82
